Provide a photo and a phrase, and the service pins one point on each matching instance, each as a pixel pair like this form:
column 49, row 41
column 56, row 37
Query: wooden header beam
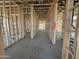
column 41, row 4
column 9, row 6
column 11, row 1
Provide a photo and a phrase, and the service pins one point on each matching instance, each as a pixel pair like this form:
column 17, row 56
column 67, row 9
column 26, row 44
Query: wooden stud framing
column 15, row 23
column 52, row 17
column 32, row 35
column 22, row 22
column 2, row 55
column 11, row 24
column 77, row 38
column 22, row 26
column 5, row 24
column 66, row 32
column 66, row 36
column 33, row 22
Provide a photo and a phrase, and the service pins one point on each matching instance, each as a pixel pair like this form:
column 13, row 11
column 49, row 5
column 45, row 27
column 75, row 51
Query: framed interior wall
column 70, row 33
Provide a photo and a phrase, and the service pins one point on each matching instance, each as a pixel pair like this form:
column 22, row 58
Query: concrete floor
column 38, row 48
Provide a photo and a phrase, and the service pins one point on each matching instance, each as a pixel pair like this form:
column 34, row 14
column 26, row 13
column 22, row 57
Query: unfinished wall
column 52, row 17
column 12, row 23
column 34, row 23
column 1, row 41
